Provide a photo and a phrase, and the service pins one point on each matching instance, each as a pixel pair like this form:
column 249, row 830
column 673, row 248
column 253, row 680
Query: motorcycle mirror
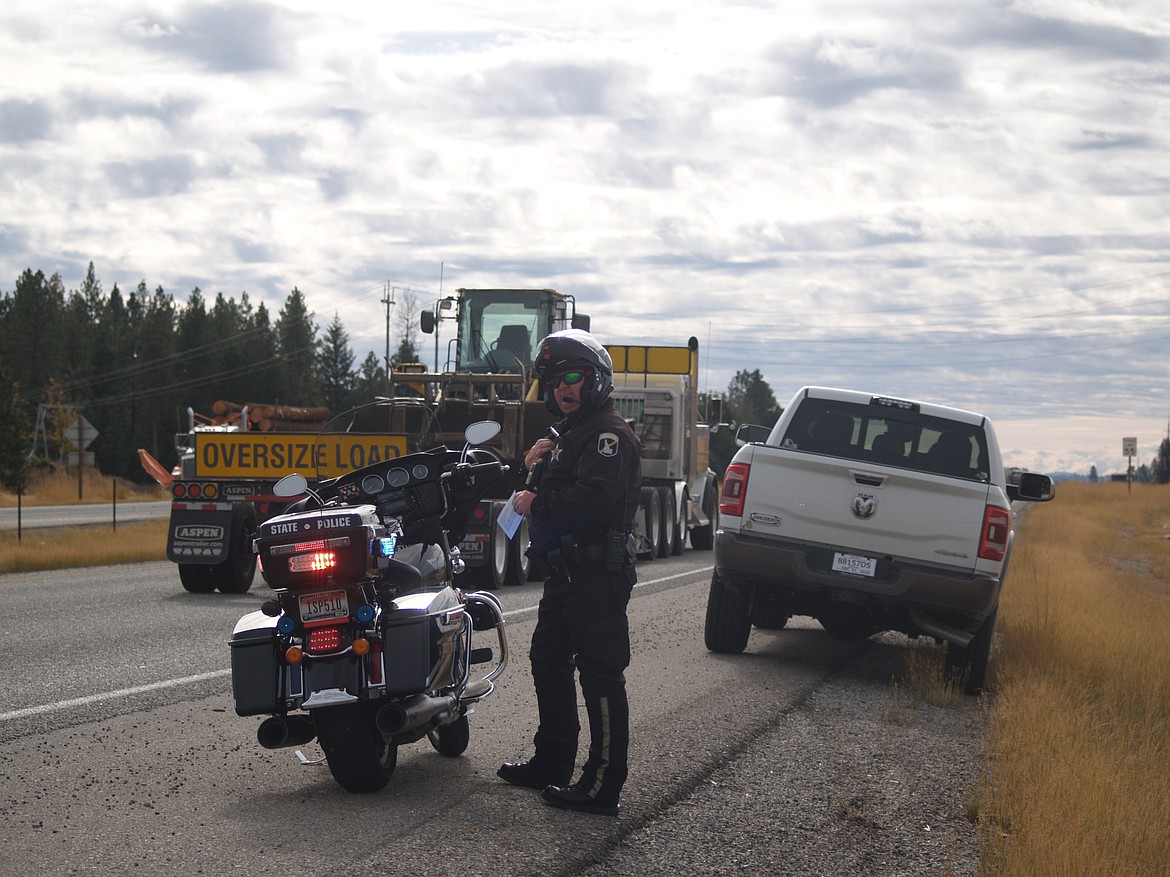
column 291, row 485
column 482, row 431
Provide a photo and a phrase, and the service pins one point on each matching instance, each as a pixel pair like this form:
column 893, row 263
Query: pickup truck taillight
column 997, row 523
column 734, row 490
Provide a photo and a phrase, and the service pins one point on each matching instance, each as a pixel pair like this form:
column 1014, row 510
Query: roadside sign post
column 81, row 434
column 1129, row 450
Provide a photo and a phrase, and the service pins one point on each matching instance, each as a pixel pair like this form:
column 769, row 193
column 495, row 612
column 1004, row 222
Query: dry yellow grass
column 83, row 546
column 1078, row 778
column 60, row 488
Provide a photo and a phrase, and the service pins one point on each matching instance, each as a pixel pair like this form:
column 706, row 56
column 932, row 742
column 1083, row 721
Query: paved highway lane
column 32, row 517
column 123, row 753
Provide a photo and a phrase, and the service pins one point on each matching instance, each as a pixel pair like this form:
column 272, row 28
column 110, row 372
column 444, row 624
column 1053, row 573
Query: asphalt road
column 31, row 517
column 123, row 754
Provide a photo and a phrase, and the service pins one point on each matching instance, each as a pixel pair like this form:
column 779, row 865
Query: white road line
column 91, row 699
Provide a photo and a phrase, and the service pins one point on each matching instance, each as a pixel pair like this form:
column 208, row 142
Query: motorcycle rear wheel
column 359, row 757
column 451, row 740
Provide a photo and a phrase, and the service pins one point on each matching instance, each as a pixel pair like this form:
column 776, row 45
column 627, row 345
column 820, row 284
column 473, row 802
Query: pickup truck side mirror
column 1032, row 487
column 751, row 433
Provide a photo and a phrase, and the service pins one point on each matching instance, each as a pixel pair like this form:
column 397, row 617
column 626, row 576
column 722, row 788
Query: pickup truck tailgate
column 864, row 508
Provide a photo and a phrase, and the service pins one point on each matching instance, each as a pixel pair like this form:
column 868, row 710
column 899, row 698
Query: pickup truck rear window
column 878, row 434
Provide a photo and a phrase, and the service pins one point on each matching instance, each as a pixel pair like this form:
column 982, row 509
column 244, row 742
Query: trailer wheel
column 649, row 521
column 499, row 548
column 703, row 537
column 680, row 525
column 667, row 544
column 234, row 575
column 197, row 578
column 518, row 564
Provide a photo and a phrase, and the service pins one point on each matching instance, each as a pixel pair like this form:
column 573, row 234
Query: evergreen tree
column 336, row 367
column 370, row 380
column 193, row 342
column 296, row 344
column 1160, row 469
column 15, row 434
column 32, row 341
column 751, row 398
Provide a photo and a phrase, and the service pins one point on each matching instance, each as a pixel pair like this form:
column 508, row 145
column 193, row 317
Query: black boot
column 575, row 797
column 604, row 772
column 531, row 775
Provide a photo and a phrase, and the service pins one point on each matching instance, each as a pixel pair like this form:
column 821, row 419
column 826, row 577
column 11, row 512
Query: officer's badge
column 607, row 444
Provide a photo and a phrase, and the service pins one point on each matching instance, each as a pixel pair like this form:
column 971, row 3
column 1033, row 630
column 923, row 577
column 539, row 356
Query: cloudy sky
column 960, row 202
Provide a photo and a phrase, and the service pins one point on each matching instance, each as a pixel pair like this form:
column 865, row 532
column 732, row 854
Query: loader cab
column 498, row 330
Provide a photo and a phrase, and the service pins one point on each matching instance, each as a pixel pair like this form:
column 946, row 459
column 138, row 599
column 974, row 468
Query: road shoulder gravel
column 858, row 779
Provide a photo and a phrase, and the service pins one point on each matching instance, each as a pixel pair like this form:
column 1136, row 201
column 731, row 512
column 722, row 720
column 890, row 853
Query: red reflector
column 734, row 490
column 179, row 490
column 325, row 639
column 480, row 513
column 315, row 562
column 193, row 490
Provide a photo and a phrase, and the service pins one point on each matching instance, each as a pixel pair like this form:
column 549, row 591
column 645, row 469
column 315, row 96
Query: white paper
column 509, row 519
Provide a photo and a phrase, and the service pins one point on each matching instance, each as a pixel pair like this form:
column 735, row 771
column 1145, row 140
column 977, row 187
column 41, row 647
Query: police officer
column 580, row 519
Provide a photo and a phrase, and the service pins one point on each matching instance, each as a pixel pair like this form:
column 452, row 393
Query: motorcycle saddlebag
column 421, row 634
column 255, row 666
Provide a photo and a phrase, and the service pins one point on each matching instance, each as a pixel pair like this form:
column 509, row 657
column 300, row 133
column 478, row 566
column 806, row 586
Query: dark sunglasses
column 569, row 378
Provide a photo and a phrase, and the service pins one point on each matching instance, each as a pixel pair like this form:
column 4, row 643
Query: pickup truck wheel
column 703, row 538
column 197, row 578
column 649, row 524
column 729, row 616
column 669, row 526
column 234, row 575
column 970, row 664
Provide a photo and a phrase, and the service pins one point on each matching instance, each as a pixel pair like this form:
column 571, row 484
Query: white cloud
column 957, row 203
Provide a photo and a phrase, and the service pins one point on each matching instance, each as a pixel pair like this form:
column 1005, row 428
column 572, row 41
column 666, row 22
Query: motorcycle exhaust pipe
column 278, row 732
column 397, row 718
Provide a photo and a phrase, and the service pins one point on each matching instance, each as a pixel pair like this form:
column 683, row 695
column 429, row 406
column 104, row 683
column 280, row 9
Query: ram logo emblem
column 770, row 520
column 863, row 506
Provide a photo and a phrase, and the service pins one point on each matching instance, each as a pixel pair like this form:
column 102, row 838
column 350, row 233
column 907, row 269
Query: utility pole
column 388, row 300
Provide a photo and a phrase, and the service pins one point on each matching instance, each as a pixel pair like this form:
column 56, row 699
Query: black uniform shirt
column 591, row 482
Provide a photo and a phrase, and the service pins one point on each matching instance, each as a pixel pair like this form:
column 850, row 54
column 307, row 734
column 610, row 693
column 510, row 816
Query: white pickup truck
column 868, row 513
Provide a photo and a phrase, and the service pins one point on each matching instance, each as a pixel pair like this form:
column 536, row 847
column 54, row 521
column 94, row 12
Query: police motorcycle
column 367, row 643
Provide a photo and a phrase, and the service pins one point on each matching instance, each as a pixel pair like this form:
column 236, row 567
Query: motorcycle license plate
column 326, row 606
column 854, row 564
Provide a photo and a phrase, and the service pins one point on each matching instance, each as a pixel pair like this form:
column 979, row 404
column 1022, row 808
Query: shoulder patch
column 607, row 444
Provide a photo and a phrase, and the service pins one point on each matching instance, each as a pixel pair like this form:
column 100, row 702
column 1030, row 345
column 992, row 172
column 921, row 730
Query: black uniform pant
column 581, row 625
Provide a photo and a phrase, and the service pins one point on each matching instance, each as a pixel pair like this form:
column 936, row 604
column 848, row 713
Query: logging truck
column 221, row 488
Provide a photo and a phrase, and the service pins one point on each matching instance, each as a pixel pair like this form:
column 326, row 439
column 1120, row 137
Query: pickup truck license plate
column 326, row 606
column 854, row 564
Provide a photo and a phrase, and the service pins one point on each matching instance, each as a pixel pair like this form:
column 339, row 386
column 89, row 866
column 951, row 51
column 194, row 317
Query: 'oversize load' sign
column 276, row 454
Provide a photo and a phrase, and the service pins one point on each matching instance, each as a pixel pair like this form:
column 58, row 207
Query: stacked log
column 269, row 417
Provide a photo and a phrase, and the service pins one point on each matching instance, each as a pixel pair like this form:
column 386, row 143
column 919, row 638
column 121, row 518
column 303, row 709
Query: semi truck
column 222, row 488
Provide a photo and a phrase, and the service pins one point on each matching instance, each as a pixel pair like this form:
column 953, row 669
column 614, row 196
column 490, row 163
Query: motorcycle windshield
column 371, row 434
